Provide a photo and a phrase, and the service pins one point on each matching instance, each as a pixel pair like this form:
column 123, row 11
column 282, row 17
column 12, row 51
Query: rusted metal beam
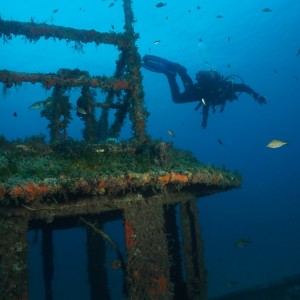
column 49, row 80
column 34, row 31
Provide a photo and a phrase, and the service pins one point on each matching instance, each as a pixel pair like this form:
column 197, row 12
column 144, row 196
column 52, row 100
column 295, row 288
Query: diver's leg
column 186, row 79
column 160, row 65
column 204, row 115
column 175, row 92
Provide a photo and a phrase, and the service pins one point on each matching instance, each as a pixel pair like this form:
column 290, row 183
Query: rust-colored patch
column 179, row 177
column 129, row 236
column 164, row 179
column 29, row 190
column 102, row 184
column 17, row 191
column 162, row 286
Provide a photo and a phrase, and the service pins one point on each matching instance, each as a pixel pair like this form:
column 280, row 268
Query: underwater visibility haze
column 251, row 234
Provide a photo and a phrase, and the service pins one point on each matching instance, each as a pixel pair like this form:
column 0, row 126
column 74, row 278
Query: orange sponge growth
column 29, row 190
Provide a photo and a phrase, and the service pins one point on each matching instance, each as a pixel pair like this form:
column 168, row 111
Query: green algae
column 33, row 169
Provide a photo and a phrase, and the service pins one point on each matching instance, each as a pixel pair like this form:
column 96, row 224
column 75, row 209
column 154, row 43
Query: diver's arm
column 246, row 89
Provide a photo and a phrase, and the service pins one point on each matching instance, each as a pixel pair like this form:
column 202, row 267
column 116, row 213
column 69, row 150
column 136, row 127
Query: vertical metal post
column 193, row 250
column 148, row 264
column 137, row 113
column 13, row 258
column 175, row 253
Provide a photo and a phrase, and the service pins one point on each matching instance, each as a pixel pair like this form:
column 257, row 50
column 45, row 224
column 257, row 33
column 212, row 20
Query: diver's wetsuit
column 211, row 89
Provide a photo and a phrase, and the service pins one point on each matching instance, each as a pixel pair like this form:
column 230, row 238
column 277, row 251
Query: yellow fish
column 276, row 144
column 41, row 104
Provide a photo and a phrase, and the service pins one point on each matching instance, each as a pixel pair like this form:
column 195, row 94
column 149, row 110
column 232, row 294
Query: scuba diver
column 211, row 88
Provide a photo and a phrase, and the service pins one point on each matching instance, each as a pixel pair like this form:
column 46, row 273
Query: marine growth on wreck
column 43, row 180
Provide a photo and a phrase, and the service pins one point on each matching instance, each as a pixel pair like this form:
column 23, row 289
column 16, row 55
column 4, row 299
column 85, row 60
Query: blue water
column 263, row 49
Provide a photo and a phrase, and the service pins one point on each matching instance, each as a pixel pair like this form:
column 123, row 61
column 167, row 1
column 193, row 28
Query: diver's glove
column 261, row 99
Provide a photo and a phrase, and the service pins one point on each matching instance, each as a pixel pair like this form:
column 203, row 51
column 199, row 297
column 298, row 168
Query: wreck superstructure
column 66, row 182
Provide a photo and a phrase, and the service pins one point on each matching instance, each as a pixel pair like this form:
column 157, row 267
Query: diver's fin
column 160, row 65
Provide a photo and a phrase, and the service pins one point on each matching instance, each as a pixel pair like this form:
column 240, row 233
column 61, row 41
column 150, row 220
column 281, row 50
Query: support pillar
column 193, row 251
column 175, row 253
column 148, row 265
column 13, row 257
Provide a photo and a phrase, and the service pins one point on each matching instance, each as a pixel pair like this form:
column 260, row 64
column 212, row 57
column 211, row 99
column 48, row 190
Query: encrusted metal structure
column 65, row 183
column 126, row 79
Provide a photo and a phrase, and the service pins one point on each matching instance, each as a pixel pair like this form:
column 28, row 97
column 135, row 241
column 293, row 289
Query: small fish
column 160, row 4
column 220, row 141
column 54, row 11
column 100, row 150
column 229, row 38
column 242, row 243
column 81, row 111
column 40, row 104
column 15, row 114
column 37, row 105
column 112, row 27
column 219, row 17
column 156, row 42
column 111, row 5
column 203, row 101
column 171, row 133
column 298, row 53
column 276, row 144
column 198, row 7
column 266, row 9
